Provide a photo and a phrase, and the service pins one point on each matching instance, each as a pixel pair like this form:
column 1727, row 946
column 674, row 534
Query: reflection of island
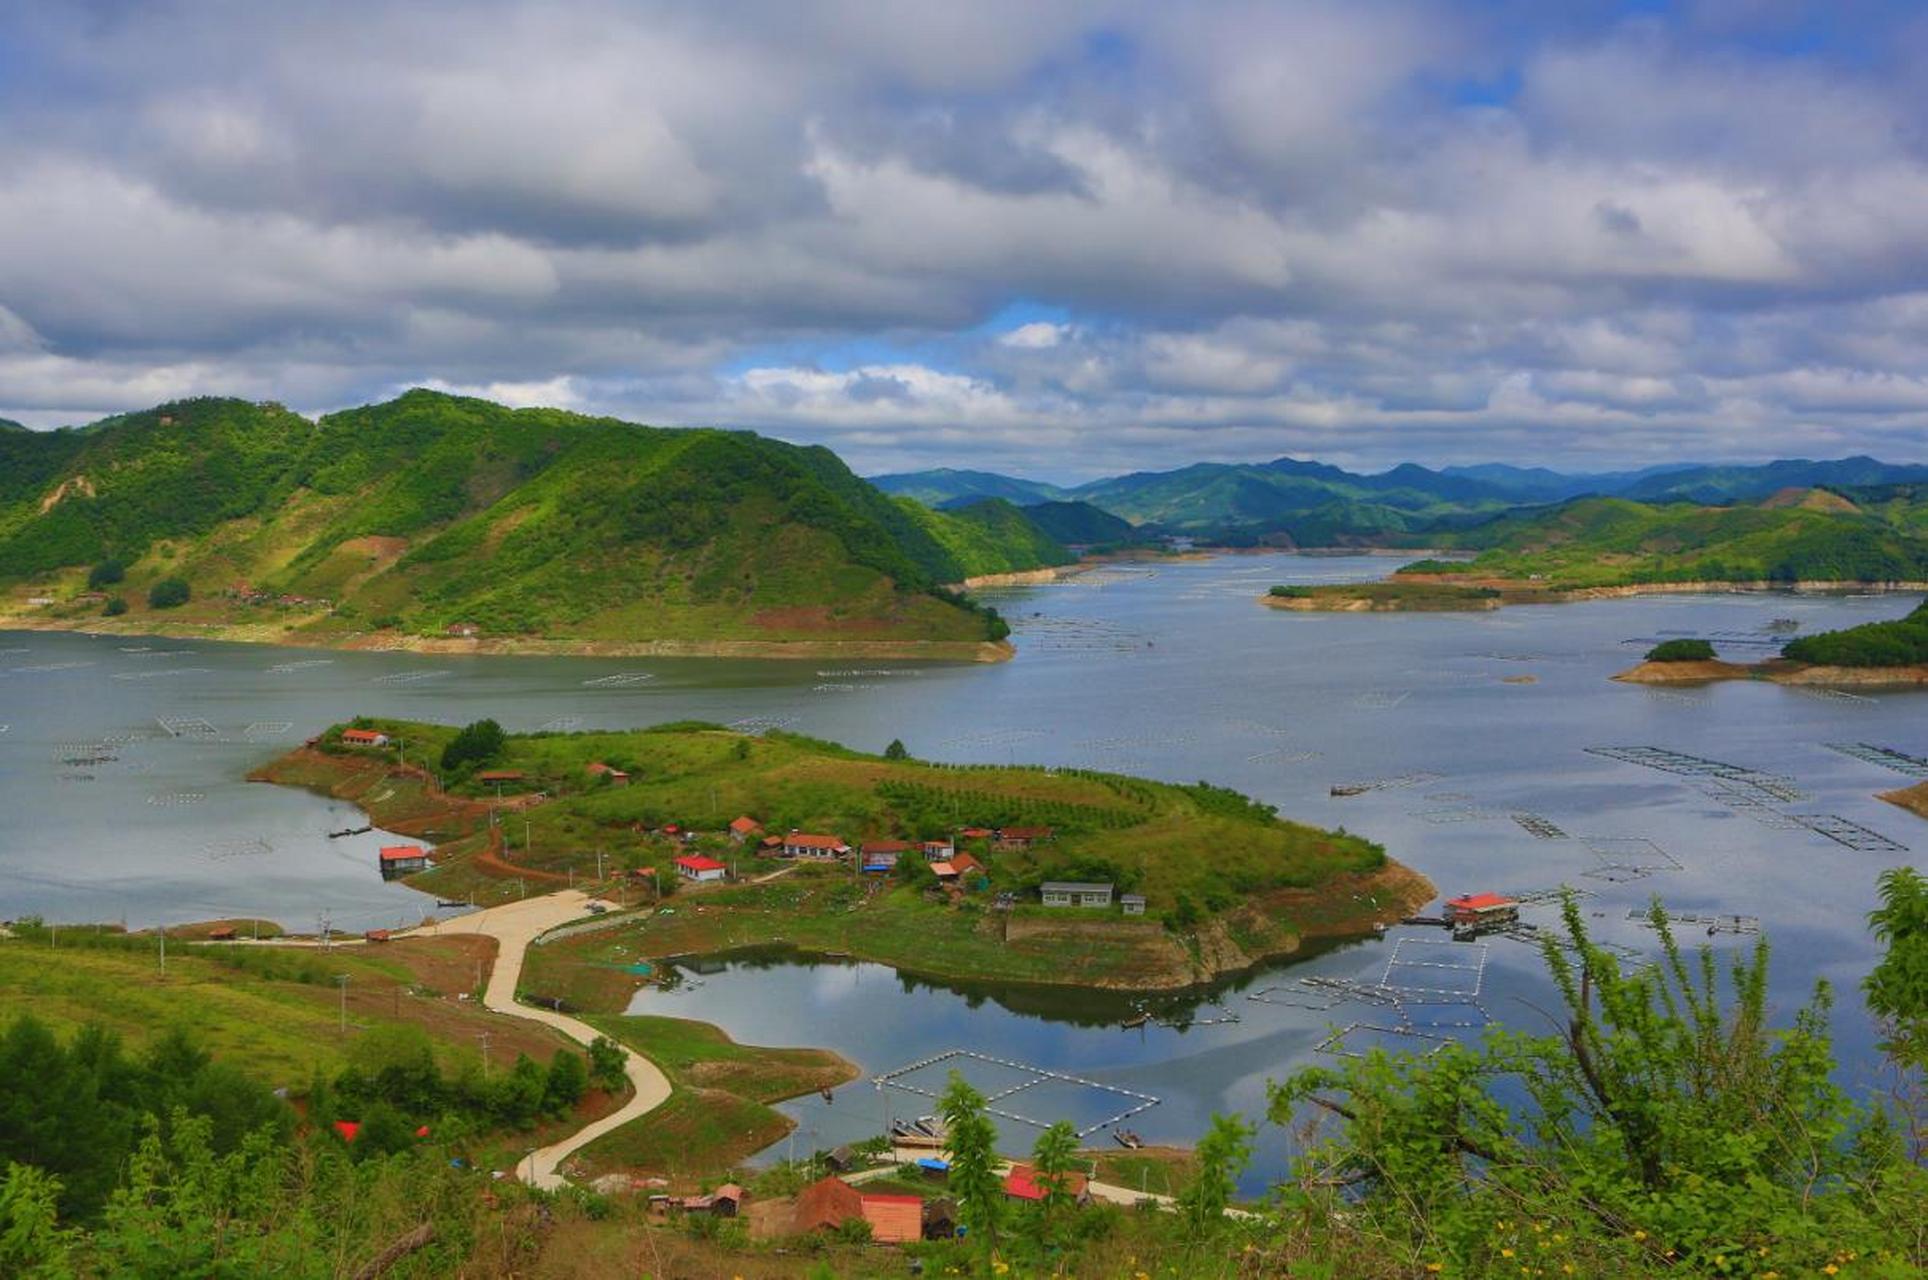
column 1069, row 878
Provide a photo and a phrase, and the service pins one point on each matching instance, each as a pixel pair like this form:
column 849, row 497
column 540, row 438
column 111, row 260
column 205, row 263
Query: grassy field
column 718, row 1113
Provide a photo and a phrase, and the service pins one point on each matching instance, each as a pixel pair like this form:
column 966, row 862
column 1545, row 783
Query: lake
column 121, row 797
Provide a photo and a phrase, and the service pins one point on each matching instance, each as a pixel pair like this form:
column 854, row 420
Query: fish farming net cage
column 1901, row 762
column 1008, row 1084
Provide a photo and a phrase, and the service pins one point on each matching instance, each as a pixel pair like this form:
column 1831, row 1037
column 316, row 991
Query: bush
column 168, row 593
column 115, row 607
column 106, row 574
column 1681, row 651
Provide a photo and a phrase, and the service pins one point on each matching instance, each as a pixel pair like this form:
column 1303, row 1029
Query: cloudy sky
column 1062, row 238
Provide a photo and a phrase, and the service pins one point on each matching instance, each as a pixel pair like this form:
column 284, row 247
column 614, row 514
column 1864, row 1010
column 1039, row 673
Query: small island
column 1875, row 653
column 720, row 840
column 1382, row 597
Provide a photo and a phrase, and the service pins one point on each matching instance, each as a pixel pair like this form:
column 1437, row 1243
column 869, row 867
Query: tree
column 607, row 1063
column 1897, row 989
column 115, row 607
column 1222, row 1155
column 1682, row 650
column 568, row 1080
column 168, row 593
column 32, row 1241
column 474, row 744
column 973, row 1177
column 896, row 750
column 1055, row 1157
column 106, row 574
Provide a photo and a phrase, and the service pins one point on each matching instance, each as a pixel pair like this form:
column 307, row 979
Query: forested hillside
column 434, row 512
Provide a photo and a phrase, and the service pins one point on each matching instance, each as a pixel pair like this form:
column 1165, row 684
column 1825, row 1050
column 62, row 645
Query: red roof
column 347, row 1129
column 965, row 862
column 600, row 768
column 803, row 840
column 744, row 826
column 422, row 1132
column 828, row 1202
column 1022, row 1183
column 1481, row 902
column 402, row 852
column 974, row 833
column 697, row 862
column 1026, row 833
column 894, row 1219
column 886, row 846
column 943, row 869
column 361, row 735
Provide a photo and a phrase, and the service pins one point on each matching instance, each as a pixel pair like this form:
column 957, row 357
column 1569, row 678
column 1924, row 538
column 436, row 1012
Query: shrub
column 474, row 744
column 168, row 593
column 1681, row 651
column 115, row 607
column 106, row 574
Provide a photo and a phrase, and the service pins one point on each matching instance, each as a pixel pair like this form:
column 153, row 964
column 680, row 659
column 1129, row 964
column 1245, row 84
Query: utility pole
column 342, row 980
column 599, row 865
column 484, row 1037
column 163, row 951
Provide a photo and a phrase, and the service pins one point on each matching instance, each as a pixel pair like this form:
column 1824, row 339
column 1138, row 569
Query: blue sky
column 1062, row 240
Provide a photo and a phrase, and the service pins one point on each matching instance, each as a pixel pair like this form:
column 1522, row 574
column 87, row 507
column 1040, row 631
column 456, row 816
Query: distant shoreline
column 1773, row 670
column 1512, row 591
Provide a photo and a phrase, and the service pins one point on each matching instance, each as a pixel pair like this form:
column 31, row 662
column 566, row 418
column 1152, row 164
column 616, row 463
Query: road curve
column 513, row 927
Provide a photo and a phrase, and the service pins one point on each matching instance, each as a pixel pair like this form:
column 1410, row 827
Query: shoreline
column 983, row 651
column 1512, row 591
column 1773, row 671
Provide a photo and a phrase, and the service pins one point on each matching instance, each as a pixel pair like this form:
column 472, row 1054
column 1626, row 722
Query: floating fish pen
column 1341, row 1043
column 1833, row 695
column 1537, row 827
column 621, row 680
column 1462, row 813
column 561, row 724
column 1030, row 1078
column 153, row 675
column 1887, row 757
column 409, row 677
column 1713, row 922
column 1851, row 834
column 187, row 727
column 222, row 850
column 1383, row 784
column 1623, row 858
column 1282, row 756
column 761, row 724
column 1676, row 697
column 260, row 729
column 1381, row 699
column 178, row 797
column 287, row 668
column 1539, row 935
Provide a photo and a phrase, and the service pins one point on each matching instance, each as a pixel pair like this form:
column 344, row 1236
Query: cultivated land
column 453, row 524
column 1228, row 884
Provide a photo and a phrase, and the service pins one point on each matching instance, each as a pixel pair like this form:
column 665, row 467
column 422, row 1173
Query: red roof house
column 825, row 1205
column 803, row 844
column 364, row 738
column 743, row 828
column 402, row 860
column 1022, row 1183
column 694, row 866
column 1481, row 910
column 894, row 1219
column 964, row 864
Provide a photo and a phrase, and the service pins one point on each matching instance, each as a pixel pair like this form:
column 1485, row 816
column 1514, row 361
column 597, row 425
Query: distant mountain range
column 1293, row 502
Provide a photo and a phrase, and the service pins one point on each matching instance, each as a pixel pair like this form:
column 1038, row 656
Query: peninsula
column 1894, row 652
column 451, row 524
column 723, row 840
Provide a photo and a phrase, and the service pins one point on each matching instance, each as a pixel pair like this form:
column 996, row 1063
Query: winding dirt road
column 513, row 927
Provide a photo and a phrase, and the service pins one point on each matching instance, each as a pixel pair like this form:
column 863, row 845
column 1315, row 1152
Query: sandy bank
column 1776, row 670
column 1023, row 577
column 1522, row 591
column 1361, row 604
column 1914, row 799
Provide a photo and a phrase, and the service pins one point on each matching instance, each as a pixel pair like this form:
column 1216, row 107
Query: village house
column 825, row 1205
column 1073, row 893
column 975, row 833
column 803, row 844
column 743, row 828
column 363, row 738
column 1022, row 1183
column 1133, row 903
column 964, row 865
column 880, row 856
column 695, row 867
column 1476, row 912
column 399, row 860
column 617, row 778
column 944, row 871
column 375, row 935
column 462, row 630
column 894, row 1219
column 722, row 1202
column 221, row 933
column 938, row 850
column 1018, row 839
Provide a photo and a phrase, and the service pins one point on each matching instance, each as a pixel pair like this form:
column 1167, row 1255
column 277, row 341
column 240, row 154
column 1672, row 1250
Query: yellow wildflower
column 1640, row 1235
column 1506, row 1253
column 1830, row 1269
column 1434, row 1267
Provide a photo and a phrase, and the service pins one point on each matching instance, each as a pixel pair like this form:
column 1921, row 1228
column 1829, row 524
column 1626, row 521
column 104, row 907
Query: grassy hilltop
column 434, row 513
column 1227, row 882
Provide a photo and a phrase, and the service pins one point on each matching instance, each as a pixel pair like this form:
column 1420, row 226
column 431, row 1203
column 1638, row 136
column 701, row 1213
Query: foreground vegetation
column 1666, row 1126
column 1226, row 881
column 436, row 517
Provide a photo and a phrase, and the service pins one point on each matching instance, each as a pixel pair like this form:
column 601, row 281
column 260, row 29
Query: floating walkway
column 1851, row 834
column 1713, row 922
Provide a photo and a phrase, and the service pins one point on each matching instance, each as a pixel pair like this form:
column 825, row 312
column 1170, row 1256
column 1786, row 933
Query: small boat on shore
column 1138, row 1019
column 1128, row 1139
column 349, row 831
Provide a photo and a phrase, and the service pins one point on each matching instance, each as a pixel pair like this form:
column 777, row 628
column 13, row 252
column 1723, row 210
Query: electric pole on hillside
column 163, row 951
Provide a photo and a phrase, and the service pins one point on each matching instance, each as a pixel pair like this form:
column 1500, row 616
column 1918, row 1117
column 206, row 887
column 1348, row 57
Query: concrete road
column 513, row 927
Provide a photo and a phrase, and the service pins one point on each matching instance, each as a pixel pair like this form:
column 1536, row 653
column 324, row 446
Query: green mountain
column 1810, row 536
column 1753, row 483
column 988, row 536
column 946, row 487
column 432, row 512
column 1081, row 524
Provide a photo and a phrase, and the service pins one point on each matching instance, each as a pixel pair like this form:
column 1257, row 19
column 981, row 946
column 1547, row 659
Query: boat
column 1349, row 789
column 1138, row 1019
column 1128, row 1139
column 349, row 831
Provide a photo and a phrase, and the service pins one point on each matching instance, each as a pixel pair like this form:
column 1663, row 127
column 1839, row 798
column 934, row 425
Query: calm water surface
column 1170, row 671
